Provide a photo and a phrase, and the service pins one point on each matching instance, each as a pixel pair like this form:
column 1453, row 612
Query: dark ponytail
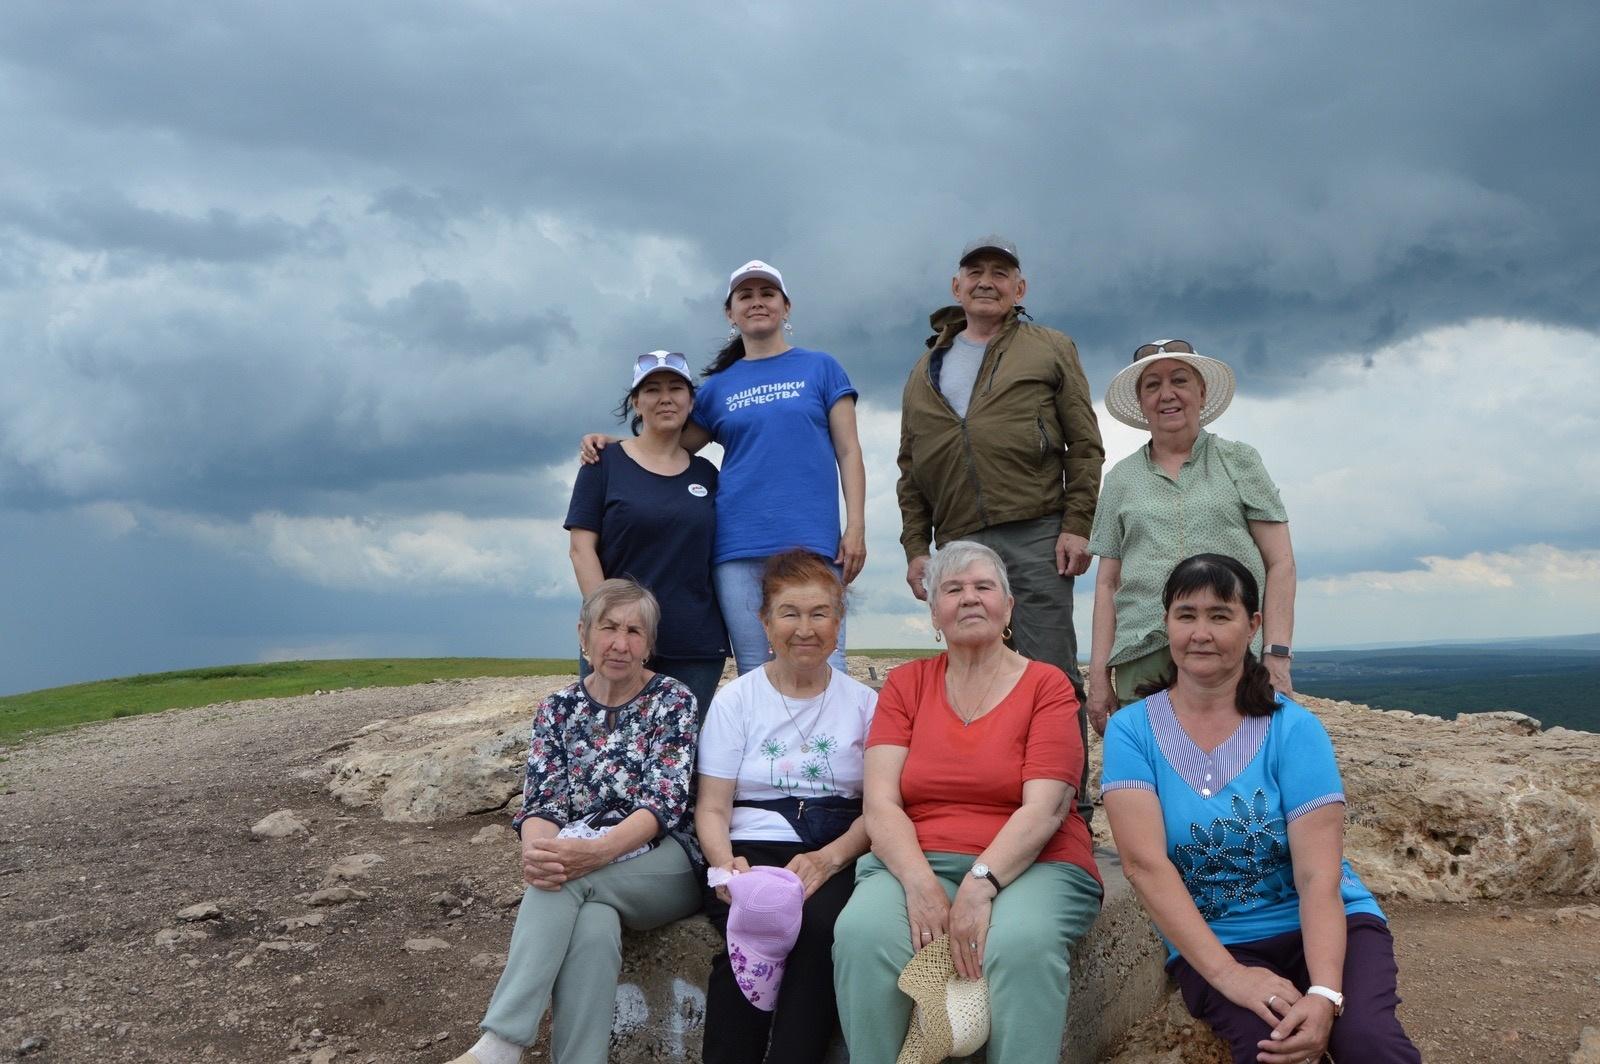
column 731, row 352
column 1229, row 580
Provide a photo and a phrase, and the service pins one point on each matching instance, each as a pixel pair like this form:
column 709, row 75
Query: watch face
column 980, row 870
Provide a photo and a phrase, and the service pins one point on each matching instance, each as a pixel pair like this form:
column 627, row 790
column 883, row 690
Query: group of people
column 856, row 848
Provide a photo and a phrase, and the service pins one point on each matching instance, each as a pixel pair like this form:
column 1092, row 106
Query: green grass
column 891, row 652
column 63, row 707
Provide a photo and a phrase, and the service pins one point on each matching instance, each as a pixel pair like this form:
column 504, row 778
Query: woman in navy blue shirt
column 647, row 510
column 1228, row 812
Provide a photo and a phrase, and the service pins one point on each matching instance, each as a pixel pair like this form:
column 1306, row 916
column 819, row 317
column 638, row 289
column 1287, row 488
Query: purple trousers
column 1369, row 1032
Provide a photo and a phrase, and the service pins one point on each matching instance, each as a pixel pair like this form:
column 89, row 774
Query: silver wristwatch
column 981, row 871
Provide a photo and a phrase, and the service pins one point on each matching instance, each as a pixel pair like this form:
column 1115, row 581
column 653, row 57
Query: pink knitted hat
column 763, row 923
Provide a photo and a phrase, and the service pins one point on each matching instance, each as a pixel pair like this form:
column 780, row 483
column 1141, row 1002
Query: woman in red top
column 971, row 770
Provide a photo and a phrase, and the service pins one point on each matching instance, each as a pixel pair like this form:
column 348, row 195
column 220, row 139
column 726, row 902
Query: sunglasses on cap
column 654, row 360
column 1179, row 347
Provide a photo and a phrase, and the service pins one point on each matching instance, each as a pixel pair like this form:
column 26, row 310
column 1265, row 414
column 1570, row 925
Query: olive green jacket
column 1029, row 445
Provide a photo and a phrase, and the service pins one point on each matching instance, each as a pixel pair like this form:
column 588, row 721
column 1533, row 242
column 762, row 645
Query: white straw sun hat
column 1122, row 394
column 951, row 1016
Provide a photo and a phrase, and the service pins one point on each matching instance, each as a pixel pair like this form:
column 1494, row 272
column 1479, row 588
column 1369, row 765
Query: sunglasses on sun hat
column 1182, row 347
column 655, row 361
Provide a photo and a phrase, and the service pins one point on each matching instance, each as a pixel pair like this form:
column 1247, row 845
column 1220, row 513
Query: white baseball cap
column 756, row 268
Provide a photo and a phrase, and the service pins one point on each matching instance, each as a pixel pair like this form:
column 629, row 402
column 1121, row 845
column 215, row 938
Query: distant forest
column 1558, row 682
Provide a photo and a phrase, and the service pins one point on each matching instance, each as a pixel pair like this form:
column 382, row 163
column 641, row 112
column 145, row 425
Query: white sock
column 492, row 1049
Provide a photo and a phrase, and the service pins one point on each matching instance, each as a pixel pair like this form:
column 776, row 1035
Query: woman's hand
column 549, row 863
column 852, row 551
column 928, row 910
column 590, row 446
column 814, row 869
column 1263, row 992
column 738, row 864
column 1302, row 1034
column 969, row 926
column 1102, row 700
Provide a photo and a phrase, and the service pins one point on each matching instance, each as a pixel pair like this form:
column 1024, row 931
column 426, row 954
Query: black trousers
column 799, row 1029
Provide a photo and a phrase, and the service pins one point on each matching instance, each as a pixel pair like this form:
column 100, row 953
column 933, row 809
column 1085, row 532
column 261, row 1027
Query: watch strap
column 1331, row 994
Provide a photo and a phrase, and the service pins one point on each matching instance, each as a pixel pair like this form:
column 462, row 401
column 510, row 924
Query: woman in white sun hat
column 1185, row 492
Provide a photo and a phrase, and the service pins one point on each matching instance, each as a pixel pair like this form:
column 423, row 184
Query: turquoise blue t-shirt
column 1227, row 812
column 779, row 486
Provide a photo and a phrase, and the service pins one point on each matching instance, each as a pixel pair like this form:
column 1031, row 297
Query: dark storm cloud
column 440, row 313
column 352, row 259
column 109, row 221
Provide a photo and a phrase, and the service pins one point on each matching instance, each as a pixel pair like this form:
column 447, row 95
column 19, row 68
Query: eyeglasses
column 1181, row 347
column 661, row 360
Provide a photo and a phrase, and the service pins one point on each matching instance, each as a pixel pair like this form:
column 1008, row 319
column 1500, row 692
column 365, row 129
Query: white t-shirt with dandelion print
column 750, row 738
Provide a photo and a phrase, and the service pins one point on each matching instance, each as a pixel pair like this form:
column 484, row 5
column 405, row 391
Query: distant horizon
column 1501, row 641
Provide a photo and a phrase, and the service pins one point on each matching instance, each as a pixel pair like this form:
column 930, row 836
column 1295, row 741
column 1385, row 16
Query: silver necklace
column 950, row 693
column 805, row 736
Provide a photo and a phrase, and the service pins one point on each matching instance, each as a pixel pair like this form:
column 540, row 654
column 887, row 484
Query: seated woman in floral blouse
column 616, row 748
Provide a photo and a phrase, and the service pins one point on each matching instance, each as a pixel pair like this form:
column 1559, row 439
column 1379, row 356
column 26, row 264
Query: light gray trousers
column 566, row 950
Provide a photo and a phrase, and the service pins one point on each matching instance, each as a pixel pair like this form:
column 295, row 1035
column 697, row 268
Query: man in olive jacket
column 999, row 444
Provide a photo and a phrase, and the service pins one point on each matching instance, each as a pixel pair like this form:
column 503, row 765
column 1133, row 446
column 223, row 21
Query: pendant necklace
column 805, row 736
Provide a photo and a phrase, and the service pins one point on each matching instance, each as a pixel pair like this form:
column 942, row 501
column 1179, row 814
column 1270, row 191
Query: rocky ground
column 145, row 921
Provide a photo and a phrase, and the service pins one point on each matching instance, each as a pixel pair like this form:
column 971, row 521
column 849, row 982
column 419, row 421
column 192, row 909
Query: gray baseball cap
column 993, row 242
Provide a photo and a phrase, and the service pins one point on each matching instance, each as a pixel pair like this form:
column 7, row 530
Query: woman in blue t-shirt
column 786, row 419
column 647, row 510
column 1228, row 813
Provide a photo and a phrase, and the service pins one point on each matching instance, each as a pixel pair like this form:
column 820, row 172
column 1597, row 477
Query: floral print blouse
column 579, row 761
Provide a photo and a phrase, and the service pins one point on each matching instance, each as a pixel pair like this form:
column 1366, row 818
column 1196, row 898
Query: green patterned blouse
column 1152, row 522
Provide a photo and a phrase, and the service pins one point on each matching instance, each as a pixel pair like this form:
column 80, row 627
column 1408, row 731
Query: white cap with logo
column 756, row 268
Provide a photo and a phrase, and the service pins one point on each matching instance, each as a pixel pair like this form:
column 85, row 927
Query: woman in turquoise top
column 1228, row 812
column 1184, row 492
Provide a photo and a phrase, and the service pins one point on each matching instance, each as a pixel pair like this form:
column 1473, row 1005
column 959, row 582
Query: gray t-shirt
column 959, row 372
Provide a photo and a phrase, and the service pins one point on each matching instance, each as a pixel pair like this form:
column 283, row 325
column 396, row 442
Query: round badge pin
column 697, row 490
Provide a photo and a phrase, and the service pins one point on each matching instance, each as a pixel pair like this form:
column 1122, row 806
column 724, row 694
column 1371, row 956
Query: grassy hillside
column 62, row 707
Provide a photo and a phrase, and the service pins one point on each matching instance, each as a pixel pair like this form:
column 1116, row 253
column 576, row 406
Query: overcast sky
column 303, row 307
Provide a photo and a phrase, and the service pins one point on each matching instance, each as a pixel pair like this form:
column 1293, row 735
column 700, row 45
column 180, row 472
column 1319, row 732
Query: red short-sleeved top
column 961, row 783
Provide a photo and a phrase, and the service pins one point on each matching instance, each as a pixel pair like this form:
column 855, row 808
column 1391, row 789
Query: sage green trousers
column 566, row 950
column 1034, row 922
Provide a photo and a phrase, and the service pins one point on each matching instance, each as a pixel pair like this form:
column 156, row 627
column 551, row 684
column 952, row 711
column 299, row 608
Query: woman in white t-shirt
column 780, row 784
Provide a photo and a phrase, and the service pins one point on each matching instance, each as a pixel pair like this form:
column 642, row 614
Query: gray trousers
column 1041, row 623
column 567, row 950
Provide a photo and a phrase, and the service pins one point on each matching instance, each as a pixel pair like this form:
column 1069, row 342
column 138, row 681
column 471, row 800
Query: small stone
column 171, row 936
column 206, row 910
column 295, row 923
column 445, row 900
column 355, row 866
column 493, row 833
column 278, row 825
column 488, row 960
column 331, row 896
column 442, row 1036
column 325, row 1055
column 426, row 945
column 32, row 1044
column 508, row 900
column 1588, row 1051
column 246, row 961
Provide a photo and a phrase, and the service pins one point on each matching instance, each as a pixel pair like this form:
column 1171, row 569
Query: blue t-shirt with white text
column 780, row 479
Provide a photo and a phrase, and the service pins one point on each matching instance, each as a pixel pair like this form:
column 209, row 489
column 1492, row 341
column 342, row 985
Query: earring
column 938, row 636
column 1006, row 635
column 733, row 332
column 788, row 326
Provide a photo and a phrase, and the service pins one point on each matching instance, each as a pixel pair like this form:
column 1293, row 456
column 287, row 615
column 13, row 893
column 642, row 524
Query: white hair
column 955, row 558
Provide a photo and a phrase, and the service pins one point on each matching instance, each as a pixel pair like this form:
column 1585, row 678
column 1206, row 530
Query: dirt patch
column 108, row 831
